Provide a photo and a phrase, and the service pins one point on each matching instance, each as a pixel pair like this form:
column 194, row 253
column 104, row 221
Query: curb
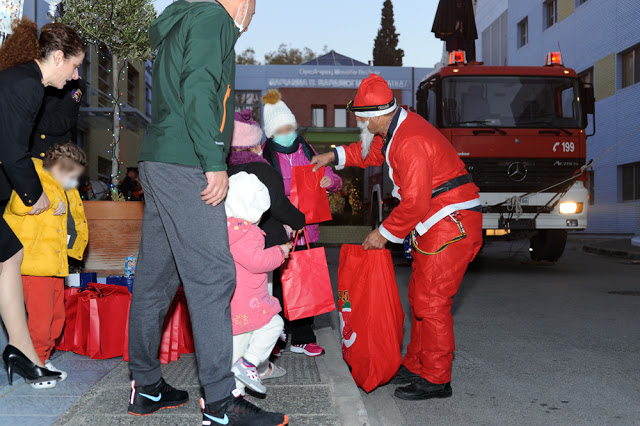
column 349, row 404
column 619, row 254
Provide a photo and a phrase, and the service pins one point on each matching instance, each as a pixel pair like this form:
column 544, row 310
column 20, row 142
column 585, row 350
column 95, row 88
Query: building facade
column 318, row 93
column 600, row 39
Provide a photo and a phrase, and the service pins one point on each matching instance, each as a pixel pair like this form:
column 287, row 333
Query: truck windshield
column 511, row 101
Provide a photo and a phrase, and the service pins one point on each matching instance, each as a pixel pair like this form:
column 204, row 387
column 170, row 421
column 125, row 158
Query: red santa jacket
column 421, row 162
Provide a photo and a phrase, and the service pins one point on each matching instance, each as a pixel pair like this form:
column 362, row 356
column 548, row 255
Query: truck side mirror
column 588, row 99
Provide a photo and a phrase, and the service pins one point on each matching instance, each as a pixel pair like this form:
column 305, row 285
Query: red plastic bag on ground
column 371, row 315
column 101, row 320
column 306, row 285
column 308, row 196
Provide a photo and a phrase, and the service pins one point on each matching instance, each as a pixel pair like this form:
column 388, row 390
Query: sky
column 346, row 26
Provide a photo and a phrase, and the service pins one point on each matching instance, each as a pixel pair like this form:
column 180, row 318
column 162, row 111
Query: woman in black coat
column 28, row 64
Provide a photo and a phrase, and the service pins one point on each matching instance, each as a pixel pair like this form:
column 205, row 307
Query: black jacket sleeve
column 281, row 208
column 19, row 108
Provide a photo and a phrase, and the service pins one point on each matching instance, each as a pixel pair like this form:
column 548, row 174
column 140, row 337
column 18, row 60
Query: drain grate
column 625, row 292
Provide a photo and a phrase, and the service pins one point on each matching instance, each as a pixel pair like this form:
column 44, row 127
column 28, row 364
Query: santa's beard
column 366, row 138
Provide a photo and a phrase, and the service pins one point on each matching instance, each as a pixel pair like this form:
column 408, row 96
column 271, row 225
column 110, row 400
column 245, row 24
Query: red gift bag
column 66, row 342
column 371, row 315
column 308, row 196
column 306, row 285
column 102, row 320
column 177, row 337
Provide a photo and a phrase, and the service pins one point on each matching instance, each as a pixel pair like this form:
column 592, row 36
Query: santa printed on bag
column 348, row 335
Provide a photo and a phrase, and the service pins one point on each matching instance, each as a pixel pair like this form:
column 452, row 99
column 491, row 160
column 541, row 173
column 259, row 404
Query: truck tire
column 548, row 244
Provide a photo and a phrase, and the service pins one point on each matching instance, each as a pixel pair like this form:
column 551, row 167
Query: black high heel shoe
column 16, row 361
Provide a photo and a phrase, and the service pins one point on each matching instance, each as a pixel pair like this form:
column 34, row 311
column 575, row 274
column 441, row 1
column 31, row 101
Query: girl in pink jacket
column 285, row 149
column 254, row 312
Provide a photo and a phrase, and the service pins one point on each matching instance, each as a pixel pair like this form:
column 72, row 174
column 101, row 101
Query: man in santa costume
column 439, row 208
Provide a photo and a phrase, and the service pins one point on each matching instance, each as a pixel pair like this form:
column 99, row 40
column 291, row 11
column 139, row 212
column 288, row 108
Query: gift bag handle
column 306, row 239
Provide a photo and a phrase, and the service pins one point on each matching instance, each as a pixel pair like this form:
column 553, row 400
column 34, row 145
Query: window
column 631, row 67
column 511, row 101
column 85, row 68
column 579, row 2
column 340, row 116
column 586, row 76
column 630, row 174
column 104, row 79
column 318, row 116
column 147, row 99
column 523, row 32
column 104, row 168
column 132, row 86
column 550, row 13
column 249, row 99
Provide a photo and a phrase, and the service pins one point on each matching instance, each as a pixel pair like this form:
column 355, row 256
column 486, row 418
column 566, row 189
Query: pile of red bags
column 97, row 324
column 96, row 320
column 371, row 315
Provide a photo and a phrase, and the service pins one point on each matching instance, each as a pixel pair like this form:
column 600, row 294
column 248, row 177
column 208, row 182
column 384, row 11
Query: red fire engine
column 521, row 133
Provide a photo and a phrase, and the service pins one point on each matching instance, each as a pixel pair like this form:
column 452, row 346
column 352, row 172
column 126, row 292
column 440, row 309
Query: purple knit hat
column 246, row 132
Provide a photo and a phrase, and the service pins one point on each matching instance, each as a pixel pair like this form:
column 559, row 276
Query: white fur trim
column 342, row 158
column 247, row 198
column 368, row 114
column 389, row 236
column 396, row 189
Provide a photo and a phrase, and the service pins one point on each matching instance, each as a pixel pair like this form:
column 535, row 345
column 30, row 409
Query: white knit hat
column 247, row 198
column 276, row 113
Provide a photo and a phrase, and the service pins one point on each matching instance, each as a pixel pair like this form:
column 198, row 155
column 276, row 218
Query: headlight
column 571, row 207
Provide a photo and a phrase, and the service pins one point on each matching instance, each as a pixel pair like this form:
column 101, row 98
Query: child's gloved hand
column 286, row 248
column 61, row 209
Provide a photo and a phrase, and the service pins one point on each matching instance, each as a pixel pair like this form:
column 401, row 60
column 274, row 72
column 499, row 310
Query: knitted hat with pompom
column 276, row 113
column 246, row 132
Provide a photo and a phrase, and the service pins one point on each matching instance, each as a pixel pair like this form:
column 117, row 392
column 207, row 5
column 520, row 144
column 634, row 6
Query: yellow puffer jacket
column 44, row 236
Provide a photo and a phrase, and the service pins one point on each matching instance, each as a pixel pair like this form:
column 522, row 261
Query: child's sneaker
column 247, row 373
column 310, row 349
column 235, row 410
column 50, row 367
column 272, row 371
column 48, row 384
column 146, row 400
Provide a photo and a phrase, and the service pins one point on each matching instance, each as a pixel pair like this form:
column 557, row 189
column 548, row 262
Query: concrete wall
column 590, row 35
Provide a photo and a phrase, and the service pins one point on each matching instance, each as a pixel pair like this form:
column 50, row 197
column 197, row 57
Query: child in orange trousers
column 48, row 238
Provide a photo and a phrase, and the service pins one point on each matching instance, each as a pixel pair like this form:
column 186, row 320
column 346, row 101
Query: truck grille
column 520, row 175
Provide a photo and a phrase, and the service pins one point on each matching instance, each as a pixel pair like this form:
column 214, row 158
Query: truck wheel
column 548, row 244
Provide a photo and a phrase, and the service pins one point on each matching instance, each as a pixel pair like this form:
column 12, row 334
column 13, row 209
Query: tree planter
column 114, row 233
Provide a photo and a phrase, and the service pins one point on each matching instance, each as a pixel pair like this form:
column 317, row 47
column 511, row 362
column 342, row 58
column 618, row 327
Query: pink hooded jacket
column 251, row 306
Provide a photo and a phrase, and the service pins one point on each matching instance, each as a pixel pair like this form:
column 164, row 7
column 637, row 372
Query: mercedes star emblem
column 517, row 172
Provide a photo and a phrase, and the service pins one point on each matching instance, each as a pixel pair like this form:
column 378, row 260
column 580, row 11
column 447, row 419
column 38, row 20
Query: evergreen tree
column 385, row 48
column 120, row 28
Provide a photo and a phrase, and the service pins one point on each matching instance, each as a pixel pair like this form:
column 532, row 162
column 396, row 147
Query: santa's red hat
column 374, row 98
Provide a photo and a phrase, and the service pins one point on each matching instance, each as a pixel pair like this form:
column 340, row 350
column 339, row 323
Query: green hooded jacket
column 193, row 86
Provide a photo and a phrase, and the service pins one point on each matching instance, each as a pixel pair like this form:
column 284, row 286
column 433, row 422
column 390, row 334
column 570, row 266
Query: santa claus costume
column 440, row 208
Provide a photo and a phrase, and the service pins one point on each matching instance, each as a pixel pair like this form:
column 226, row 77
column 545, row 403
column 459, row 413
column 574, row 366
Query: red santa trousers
column 44, row 299
column 434, row 281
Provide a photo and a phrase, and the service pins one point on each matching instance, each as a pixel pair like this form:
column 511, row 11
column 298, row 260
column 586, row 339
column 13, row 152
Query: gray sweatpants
column 183, row 239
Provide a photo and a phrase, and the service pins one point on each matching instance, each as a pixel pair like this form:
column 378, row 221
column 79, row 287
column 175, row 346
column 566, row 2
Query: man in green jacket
column 184, row 230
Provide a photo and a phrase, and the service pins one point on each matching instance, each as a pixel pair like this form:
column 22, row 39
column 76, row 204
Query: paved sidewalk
column 618, row 247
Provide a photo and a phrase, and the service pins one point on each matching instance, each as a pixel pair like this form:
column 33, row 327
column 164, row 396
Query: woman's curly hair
column 24, row 45
column 67, row 153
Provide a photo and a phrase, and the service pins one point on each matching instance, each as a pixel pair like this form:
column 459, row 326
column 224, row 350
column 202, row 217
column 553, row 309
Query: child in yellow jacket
column 48, row 238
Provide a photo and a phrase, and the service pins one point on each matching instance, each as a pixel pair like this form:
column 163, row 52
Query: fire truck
column 521, row 132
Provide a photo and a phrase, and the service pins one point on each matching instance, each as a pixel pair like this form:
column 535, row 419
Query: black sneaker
column 148, row 399
column 235, row 411
column 404, row 376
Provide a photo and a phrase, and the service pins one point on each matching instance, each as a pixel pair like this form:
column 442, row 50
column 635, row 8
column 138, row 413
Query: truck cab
column 521, row 134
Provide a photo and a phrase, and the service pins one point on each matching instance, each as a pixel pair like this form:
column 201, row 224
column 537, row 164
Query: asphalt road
column 536, row 344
